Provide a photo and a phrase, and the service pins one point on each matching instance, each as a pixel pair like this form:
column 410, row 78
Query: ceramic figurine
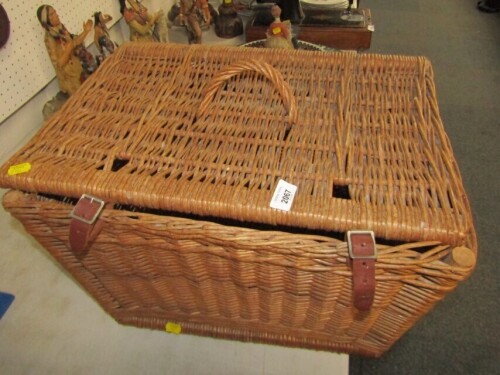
column 89, row 63
column 279, row 33
column 291, row 10
column 102, row 40
column 63, row 48
column 195, row 15
column 160, row 29
column 228, row 24
column 54, row 105
column 142, row 25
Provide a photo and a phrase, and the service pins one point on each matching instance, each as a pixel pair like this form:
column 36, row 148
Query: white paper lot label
column 283, row 196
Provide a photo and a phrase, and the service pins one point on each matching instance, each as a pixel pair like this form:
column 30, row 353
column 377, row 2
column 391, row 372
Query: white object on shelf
column 335, row 4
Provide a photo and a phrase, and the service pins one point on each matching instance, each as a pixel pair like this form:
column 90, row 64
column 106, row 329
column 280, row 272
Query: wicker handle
column 261, row 67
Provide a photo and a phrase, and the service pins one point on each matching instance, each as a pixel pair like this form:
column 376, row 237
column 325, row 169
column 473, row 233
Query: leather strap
column 363, row 253
column 84, row 225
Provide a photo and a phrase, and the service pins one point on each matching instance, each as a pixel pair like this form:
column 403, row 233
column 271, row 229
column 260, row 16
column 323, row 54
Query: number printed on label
column 283, row 196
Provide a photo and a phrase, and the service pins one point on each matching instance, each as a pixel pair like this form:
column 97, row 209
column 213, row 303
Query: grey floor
column 462, row 334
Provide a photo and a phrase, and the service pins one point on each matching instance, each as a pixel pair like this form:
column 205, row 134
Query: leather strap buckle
column 88, row 209
column 363, row 253
column 354, row 253
column 82, row 227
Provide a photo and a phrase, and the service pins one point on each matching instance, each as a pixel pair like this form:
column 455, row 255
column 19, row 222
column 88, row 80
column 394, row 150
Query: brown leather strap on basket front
column 84, row 225
column 363, row 253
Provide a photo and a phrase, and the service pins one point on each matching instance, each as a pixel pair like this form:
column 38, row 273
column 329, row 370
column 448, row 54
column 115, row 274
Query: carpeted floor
column 461, row 335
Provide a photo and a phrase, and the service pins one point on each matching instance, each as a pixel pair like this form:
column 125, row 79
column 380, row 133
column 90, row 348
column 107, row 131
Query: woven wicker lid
column 211, row 131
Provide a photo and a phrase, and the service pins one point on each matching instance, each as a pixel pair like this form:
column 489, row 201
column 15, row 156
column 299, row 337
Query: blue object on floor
column 5, row 301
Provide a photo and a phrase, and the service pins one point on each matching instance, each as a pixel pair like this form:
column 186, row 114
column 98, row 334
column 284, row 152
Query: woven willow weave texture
column 162, row 131
column 367, row 123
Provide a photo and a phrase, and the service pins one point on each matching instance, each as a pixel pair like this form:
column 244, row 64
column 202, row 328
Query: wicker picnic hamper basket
column 153, row 187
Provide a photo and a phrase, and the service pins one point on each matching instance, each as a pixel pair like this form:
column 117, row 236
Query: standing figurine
column 142, row 25
column 195, row 15
column 229, row 24
column 101, row 36
column 63, row 48
column 278, row 34
column 291, row 10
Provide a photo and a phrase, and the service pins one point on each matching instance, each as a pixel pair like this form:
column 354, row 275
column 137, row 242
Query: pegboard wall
column 25, row 67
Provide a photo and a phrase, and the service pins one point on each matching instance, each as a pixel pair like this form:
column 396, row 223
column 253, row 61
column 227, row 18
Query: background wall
column 27, row 77
column 25, row 64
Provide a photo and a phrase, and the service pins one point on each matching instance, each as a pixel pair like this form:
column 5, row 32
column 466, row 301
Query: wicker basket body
column 186, row 145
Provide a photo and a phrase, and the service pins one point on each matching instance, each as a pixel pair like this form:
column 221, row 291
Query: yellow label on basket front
column 276, row 30
column 19, row 168
column 173, row 328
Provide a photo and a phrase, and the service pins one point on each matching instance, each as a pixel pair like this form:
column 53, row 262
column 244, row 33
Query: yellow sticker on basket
column 276, row 30
column 19, row 168
column 228, row 1
column 173, row 328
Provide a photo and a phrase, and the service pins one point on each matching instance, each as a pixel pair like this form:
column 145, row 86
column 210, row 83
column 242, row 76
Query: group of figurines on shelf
column 194, row 15
column 198, row 15
column 74, row 63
